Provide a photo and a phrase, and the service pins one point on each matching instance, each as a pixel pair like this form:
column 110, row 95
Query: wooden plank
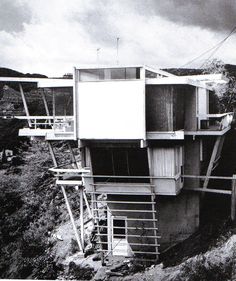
column 81, row 217
column 136, row 219
column 210, row 190
column 129, row 235
column 210, row 177
column 132, row 211
column 129, row 227
column 134, row 244
column 69, row 182
column 127, row 202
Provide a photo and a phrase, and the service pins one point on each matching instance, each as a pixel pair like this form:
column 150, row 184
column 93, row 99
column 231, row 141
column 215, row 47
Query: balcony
column 49, row 127
column 212, row 124
column 128, row 185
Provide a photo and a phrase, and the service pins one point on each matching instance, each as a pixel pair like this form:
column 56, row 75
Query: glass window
column 91, row 75
column 132, row 73
column 109, row 74
column 120, row 162
column 118, row 73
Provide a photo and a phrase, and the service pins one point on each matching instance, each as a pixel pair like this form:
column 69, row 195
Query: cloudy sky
column 52, row 36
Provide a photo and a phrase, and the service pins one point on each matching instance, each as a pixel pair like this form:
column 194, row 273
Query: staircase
column 126, row 225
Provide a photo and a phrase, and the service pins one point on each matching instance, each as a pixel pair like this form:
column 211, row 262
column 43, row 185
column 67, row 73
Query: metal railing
column 230, row 189
column 216, row 122
column 60, row 124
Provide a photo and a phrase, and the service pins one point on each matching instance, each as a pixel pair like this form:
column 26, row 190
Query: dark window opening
column 119, row 228
column 120, row 162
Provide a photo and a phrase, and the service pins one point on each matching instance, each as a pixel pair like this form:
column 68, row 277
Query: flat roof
column 41, row 82
column 146, row 67
column 203, row 80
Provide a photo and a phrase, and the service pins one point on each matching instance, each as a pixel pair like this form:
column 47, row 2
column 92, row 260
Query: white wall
column 111, row 110
column 203, row 103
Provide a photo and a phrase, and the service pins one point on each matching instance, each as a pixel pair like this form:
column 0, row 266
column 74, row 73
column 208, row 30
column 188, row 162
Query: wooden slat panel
column 159, row 108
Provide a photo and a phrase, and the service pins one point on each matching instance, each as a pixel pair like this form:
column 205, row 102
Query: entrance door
column 119, row 236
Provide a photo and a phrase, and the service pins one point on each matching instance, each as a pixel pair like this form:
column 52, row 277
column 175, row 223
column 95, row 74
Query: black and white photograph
column 118, row 140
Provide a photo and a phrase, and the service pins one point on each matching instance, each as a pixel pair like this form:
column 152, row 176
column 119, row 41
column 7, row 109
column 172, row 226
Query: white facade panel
column 111, row 110
column 203, row 96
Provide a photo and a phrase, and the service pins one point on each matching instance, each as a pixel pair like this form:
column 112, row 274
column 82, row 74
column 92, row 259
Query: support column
column 81, row 217
column 214, row 157
column 67, row 203
column 76, row 166
column 25, row 104
column 46, row 105
column 233, row 198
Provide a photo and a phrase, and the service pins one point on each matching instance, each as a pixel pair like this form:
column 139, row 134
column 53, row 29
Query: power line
column 217, row 48
column 214, row 48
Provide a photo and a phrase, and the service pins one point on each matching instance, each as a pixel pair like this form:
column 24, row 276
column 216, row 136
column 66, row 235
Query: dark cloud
column 97, row 22
column 217, row 15
column 12, row 15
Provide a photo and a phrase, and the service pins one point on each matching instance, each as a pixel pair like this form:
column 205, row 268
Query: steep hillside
column 31, row 207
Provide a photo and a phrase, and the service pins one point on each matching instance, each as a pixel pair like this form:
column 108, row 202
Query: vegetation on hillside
column 31, row 206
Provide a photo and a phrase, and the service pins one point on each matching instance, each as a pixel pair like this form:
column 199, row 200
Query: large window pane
column 91, row 75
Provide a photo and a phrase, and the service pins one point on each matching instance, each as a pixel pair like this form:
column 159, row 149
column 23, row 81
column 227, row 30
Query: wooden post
column 233, row 198
column 67, row 201
column 25, row 104
column 72, row 220
column 75, row 164
column 46, row 106
column 81, row 217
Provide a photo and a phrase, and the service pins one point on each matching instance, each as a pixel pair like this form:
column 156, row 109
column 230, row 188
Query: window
column 120, row 162
column 91, row 75
column 118, row 73
column 119, row 227
column 128, row 73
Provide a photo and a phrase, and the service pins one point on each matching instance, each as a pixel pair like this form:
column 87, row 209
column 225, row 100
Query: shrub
column 205, row 270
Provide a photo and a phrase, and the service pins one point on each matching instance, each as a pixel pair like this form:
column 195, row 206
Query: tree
column 225, row 92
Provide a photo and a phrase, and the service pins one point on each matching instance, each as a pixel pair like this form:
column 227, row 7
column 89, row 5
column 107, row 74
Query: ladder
column 140, row 230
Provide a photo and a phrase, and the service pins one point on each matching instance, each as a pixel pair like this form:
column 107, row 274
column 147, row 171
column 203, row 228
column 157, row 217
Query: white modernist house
column 140, row 131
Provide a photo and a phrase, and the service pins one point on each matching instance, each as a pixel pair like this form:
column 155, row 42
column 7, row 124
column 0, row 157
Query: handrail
column 44, row 117
column 209, row 177
column 221, row 120
column 69, row 170
column 215, row 115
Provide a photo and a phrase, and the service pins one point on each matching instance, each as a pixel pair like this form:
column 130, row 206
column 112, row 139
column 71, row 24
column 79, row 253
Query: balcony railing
column 56, row 125
column 214, row 122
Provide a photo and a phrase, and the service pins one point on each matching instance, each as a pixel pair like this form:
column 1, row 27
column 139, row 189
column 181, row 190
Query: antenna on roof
column 117, row 50
column 98, row 50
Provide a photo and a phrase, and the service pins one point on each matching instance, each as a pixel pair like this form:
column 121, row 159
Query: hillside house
column 140, row 132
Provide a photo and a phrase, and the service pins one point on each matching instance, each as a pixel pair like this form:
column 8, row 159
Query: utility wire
column 219, row 45
column 214, row 48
